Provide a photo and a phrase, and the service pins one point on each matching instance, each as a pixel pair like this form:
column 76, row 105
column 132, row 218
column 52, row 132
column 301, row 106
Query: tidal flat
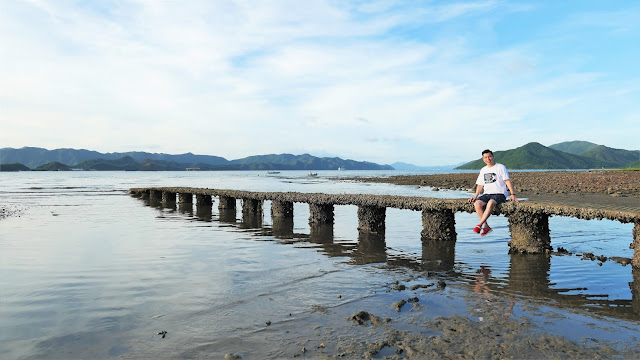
column 91, row 272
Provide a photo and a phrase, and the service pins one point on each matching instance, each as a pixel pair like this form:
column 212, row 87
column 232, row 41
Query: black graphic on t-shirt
column 490, row 178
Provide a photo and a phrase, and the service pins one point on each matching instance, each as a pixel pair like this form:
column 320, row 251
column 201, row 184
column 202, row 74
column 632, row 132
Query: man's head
column 487, row 157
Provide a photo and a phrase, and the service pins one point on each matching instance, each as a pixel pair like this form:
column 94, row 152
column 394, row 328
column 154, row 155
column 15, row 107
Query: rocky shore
column 608, row 189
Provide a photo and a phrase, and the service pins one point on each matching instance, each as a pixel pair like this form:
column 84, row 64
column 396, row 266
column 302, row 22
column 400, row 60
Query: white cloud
column 239, row 78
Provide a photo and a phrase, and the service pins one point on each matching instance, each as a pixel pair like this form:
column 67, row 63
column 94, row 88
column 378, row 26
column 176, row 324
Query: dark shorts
column 499, row 198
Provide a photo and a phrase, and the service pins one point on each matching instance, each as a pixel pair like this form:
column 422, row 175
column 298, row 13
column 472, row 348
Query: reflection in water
column 251, row 220
column 438, row 255
column 204, row 212
column 186, row 208
column 635, row 290
column 529, row 274
column 227, row 215
column 282, row 227
column 371, row 248
column 321, row 233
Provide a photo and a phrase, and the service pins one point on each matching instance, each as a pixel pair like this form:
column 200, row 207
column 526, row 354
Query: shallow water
column 91, row 272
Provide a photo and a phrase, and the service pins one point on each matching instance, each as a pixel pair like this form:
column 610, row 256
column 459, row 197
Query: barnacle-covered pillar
column 168, row 197
column 281, row 209
column 529, row 232
column 635, row 245
column 320, row 213
column 371, row 219
column 438, row 224
column 251, row 206
column 203, row 200
column 227, row 203
column 185, row 198
column 155, row 195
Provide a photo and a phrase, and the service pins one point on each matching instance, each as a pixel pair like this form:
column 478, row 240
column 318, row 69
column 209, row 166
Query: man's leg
column 487, row 212
column 479, row 205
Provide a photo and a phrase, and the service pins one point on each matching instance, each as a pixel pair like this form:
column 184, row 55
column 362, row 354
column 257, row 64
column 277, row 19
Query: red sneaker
column 476, row 229
column 485, row 231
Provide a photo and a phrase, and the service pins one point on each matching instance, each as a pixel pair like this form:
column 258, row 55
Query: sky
column 422, row 82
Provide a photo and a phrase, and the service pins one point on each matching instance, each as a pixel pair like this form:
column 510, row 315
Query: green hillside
column 574, row 147
column 615, row 158
column 536, row 156
column 13, row 167
column 53, row 166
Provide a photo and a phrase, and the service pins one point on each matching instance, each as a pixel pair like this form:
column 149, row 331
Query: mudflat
column 617, row 190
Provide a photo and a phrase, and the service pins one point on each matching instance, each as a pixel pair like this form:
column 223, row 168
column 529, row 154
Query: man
column 494, row 180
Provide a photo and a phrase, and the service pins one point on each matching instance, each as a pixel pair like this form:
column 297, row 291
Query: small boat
column 273, row 172
column 312, row 174
column 340, row 168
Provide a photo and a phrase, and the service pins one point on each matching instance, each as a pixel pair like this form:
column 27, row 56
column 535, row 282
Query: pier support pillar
column 529, row 232
column 281, row 209
column 635, row 289
column 203, row 200
column 168, row 197
column 155, row 195
column 251, row 207
column 144, row 194
column 371, row 219
column 227, row 203
column 185, row 198
column 635, row 245
column 320, row 213
column 438, row 225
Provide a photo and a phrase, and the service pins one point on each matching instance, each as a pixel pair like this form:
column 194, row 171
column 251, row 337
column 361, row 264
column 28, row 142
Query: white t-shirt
column 493, row 179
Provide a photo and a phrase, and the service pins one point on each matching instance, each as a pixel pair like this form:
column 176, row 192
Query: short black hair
column 487, row 151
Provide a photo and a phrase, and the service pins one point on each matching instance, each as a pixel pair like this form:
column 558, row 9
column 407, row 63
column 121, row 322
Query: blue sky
column 424, row 82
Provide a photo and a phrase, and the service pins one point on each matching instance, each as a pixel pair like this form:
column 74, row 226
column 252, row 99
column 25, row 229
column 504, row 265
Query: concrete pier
column 371, row 219
column 185, row 198
column 529, row 232
column 320, row 213
column 438, row 225
column 528, row 222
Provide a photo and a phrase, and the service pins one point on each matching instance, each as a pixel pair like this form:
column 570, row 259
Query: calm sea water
column 90, row 272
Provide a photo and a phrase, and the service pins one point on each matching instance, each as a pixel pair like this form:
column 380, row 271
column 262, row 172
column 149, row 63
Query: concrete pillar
column 371, row 219
column 227, row 215
column 635, row 245
column 320, row 213
column 204, row 213
column 185, row 198
column 168, row 196
column 529, row 232
column 281, row 209
column 203, row 200
column 155, row 195
column 251, row 206
column 438, row 225
column 226, row 202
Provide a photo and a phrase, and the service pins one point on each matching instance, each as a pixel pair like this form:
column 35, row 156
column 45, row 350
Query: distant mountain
column 407, row 166
column 537, row 156
column 34, row 157
column 574, row 147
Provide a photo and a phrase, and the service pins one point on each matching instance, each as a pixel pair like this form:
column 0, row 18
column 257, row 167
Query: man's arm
column 512, row 197
column 478, row 190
